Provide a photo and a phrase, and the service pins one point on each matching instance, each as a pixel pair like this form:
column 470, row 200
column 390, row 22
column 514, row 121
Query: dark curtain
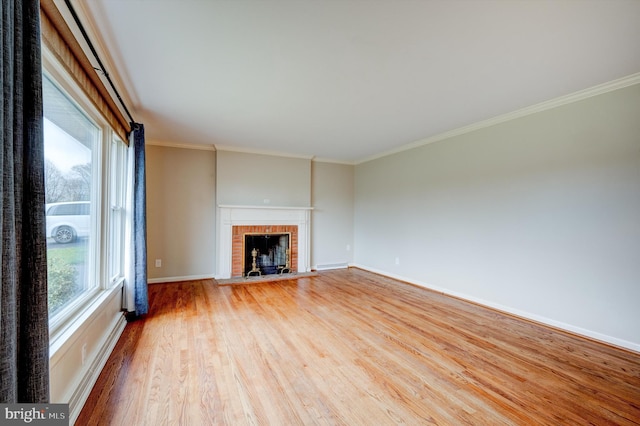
column 24, row 338
column 141, row 299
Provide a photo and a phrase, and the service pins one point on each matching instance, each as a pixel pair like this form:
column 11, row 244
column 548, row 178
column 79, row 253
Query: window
column 72, row 151
column 85, row 186
column 117, row 214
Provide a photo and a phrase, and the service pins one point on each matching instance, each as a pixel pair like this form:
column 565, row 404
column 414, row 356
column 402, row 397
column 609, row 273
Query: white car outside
column 68, row 221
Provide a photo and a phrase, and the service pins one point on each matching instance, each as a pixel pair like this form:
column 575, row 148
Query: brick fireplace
column 235, row 221
column 238, row 249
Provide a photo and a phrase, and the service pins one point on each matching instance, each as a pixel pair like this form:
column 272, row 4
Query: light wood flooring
column 352, row 348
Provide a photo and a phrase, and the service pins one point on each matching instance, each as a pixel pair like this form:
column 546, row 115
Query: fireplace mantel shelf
column 266, row 207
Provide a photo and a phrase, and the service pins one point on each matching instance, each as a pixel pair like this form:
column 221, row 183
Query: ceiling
column 345, row 79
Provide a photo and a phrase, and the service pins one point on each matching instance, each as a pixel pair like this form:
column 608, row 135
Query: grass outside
column 63, row 267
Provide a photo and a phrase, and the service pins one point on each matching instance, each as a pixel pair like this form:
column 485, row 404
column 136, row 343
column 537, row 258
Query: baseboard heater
column 328, row 266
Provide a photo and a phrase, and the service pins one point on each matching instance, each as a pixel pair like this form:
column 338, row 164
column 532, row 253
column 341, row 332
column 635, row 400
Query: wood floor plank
column 354, row 348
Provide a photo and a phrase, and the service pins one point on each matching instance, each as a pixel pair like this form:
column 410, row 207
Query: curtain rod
column 102, row 69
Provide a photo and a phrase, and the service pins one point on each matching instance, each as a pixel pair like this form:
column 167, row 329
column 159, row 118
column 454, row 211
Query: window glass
column 71, row 147
column 69, row 209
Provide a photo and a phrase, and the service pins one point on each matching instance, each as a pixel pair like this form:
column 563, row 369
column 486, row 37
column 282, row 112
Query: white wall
column 79, row 352
column 181, row 213
column 332, row 215
column 250, row 179
column 539, row 216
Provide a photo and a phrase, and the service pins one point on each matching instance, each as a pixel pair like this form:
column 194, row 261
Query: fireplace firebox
column 266, row 254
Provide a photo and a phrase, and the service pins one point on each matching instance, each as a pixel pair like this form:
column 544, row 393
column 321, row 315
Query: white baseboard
column 90, row 377
column 176, row 279
column 516, row 312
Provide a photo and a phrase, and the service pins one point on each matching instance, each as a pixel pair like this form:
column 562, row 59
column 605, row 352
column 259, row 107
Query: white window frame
column 117, row 197
column 99, row 279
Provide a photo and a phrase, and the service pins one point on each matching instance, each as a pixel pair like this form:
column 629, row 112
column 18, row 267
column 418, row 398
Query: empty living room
column 322, row 212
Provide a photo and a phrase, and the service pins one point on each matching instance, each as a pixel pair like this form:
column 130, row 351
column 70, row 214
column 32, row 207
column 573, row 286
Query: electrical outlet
column 158, row 263
column 84, row 353
column 397, row 260
column 348, row 247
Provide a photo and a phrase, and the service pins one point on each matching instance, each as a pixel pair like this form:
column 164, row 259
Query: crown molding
column 180, row 145
column 261, row 152
column 245, row 151
column 332, row 161
column 600, row 89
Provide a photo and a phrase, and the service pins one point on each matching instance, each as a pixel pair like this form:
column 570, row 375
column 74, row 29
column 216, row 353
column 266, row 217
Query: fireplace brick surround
column 237, row 235
column 234, row 221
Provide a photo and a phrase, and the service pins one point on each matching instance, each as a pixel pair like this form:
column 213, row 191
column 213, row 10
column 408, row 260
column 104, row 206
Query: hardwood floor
column 349, row 347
